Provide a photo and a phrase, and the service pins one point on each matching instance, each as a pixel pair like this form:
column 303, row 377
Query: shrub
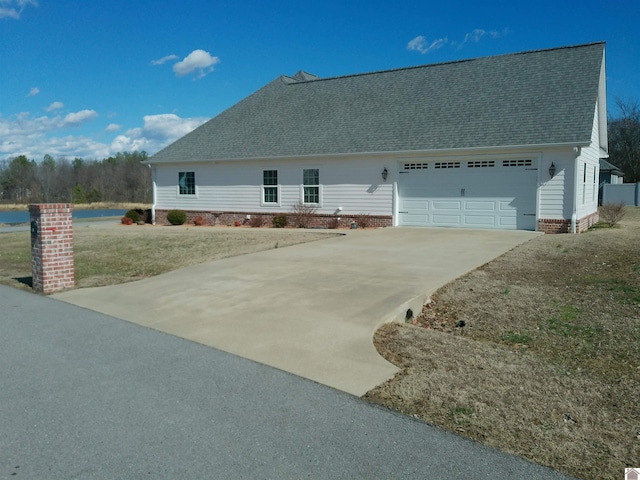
column 363, row 220
column 334, row 223
column 256, row 221
column 302, row 214
column 611, row 213
column 177, row 217
column 198, row 221
column 126, row 221
column 133, row 215
column 280, row 221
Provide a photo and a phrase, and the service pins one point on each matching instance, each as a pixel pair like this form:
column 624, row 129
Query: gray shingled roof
column 530, row 98
column 610, row 167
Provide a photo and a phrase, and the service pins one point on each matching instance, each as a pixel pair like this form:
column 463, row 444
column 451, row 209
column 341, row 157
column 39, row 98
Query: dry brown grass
column 110, row 254
column 548, row 364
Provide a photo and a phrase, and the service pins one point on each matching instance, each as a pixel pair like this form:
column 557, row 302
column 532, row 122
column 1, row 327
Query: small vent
column 447, row 165
column 481, row 164
column 416, row 166
column 517, row 163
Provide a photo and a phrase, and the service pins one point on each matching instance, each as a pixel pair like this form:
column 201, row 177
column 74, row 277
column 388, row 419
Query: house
column 609, row 175
column 507, row 142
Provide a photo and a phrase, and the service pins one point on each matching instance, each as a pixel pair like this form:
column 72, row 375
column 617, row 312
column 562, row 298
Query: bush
column 363, row 220
column 302, row 214
column 280, row 221
column 198, row 221
column 177, row 217
column 334, row 223
column 134, row 215
column 126, row 221
column 611, row 213
column 256, row 221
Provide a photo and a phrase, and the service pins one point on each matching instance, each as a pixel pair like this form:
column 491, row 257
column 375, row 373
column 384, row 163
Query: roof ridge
column 450, row 62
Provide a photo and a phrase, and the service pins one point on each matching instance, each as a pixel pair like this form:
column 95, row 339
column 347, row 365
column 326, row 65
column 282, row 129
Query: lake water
column 21, row 216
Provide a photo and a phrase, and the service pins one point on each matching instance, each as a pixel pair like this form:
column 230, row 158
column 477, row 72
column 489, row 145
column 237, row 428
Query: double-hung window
column 269, row 186
column 187, row 183
column 584, row 183
column 311, row 185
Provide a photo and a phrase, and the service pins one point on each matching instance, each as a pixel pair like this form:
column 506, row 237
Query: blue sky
column 82, row 78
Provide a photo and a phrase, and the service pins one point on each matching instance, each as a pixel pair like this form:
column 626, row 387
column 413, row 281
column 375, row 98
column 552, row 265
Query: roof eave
column 389, row 153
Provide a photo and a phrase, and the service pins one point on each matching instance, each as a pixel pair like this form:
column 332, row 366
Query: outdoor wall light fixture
column 385, row 173
column 552, row 170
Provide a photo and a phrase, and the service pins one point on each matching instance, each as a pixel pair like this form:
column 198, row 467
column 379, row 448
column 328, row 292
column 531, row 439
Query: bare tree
column 624, row 139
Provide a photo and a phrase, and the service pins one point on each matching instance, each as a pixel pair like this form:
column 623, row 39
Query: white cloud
column 14, row 8
column 474, row 36
column 198, row 62
column 158, row 131
column 33, row 92
column 77, row 118
column 25, row 134
column 421, row 45
column 164, row 59
column 54, row 106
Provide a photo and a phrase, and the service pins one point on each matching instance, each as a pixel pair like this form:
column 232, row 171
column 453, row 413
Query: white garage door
column 474, row 194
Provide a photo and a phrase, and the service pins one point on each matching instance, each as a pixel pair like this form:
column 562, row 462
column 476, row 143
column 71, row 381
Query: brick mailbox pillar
column 51, row 246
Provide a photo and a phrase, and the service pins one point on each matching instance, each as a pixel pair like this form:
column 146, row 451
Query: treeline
column 120, row 178
column 624, row 139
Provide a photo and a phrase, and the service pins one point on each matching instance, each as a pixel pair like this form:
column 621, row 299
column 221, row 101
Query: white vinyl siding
column 356, row 186
column 588, row 195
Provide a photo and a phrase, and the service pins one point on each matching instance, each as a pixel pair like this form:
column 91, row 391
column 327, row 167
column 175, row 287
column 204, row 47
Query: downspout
column 153, row 205
column 574, row 214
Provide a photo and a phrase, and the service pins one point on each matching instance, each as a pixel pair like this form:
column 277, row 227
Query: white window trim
column 319, row 204
column 195, row 187
column 270, row 204
column 584, row 183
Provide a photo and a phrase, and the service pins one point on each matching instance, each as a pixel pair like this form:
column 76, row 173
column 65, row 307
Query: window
column 270, row 186
column 416, row 166
column 517, row 163
column 311, row 185
column 447, row 165
column 187, row 183
column 593, row 196
column 481, row 164
column 584, row 183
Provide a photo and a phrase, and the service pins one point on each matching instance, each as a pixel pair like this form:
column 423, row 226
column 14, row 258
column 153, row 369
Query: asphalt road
column 84, row 395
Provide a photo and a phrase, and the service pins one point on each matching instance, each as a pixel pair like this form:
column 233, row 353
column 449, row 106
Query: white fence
column 627, row 193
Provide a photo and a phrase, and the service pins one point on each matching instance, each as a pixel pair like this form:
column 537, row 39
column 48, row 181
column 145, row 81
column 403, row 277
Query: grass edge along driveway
column 547, row 365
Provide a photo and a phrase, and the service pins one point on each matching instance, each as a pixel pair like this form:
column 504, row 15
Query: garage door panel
column 446, row 205
column 503, row 196
column 480, row 221
column 446, row 220
column 414, row 220
column 415, row 204
column 506, row 205
column 480, row 205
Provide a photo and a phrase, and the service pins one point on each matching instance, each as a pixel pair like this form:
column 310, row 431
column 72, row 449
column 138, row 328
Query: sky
column 81, row 78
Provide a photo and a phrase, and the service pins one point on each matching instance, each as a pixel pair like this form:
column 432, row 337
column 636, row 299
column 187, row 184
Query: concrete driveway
column 309, row 309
